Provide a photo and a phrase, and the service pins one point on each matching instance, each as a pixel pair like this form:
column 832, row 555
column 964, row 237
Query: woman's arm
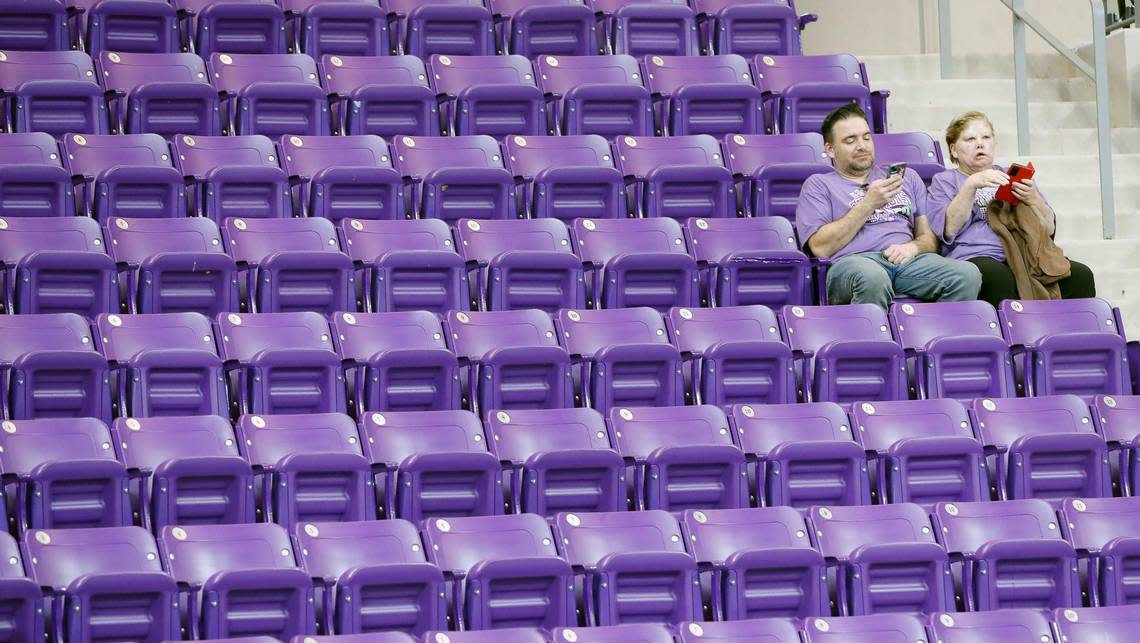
column 1027, row 192
column 960, row 210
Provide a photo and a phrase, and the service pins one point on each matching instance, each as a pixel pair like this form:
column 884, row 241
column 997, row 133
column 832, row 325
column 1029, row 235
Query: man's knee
column 859, row 280
column 962, row 280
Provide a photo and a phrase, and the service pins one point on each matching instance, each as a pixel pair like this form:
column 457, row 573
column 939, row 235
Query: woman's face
column 974, row 149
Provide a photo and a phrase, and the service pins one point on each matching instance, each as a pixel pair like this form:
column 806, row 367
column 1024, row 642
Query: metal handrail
column 1121, row 24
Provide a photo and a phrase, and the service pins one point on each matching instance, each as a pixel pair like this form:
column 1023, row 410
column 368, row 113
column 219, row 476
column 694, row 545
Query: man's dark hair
column 850, row 110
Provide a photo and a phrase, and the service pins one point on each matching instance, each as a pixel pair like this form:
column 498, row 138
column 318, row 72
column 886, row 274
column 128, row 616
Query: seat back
column 271, row 94
column 874, row 628
column 750, row 261
column 1091, row 524
column 233, row 176
column 344, row 176
column 160, row 93
column 1006, row 624
column 706, row 94
column 765, row 630
column 53, row 369
column 127, row 175
column 677, row 176
column 382, row 95
column 456, row 27
column 42, row 28
column 662, row 27
column 41, row 190
column 807, row 88
column 418, row 156
column 771, row 169
column 55, row 92
column 918, row 150
column 883, row 424
column 637, row 262
column 1108, row 623
column 602, row 95
column 235, row 28
column 963, row 527
column 761, row 427
column 493, row 95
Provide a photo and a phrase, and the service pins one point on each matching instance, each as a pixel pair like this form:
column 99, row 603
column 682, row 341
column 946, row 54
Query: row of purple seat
column 896, row 561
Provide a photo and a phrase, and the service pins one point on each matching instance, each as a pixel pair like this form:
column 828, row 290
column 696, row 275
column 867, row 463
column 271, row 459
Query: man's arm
column 834, row 236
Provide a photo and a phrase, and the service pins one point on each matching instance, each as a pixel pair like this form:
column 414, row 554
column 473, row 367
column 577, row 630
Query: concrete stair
column 1063, row 145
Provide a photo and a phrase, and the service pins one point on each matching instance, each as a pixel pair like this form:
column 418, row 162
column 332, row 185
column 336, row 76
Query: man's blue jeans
column 868, row 278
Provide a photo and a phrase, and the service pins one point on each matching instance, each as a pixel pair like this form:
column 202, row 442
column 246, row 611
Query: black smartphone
column 895, row 168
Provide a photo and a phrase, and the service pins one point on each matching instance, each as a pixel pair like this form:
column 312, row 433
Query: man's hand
column 901, row 253
column 986, row 179
column 1026, row 192
column 880, row 193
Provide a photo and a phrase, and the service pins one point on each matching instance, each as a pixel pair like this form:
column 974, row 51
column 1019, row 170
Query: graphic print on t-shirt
column 983, row 197
column 900, row 208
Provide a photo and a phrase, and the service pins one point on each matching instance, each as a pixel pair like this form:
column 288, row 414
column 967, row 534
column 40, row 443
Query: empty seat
column 146, row 27
column 801, row 90
column 432, row 463
column 567, row 177
column 1106, row 532
column 678, row 176
column 735, row 355
column 957, row 349
column 21, row 609
column 1069, row 346
column 493, row 95
column 33, row 182
column 1043, row 447
column 804, row 454
column 40, row 25
column 281, row 363
column 128, row 175
column 512, row 360
column 918, row 150
column 886, row 559
column 872, row 628
column 750, row 261
column 704, row 95
column 504, row 635
column 637, row 262
column 455, row 27
column 103, row 583
column 750, row 28
column 558, row 459
column 56, row 265
column 385, row 96
column 406, row 265
column 456, row 177
column 163, row 94
column 625, row 356
column 271, row 94
column 372, row 576
column 1011, row 554
column 344, row 176
column 55, row 92
column 62, row 474
column 233, row 176
column 175, row 265
column 771, row 630
column 505, row 571
column 633, row 564
column 185, row 470
column 1114, row 417
column 846, row 353
column 397, row 361
column 517, row 264
column 645, row 27
column 238, row 579
column 1010, row 625
column 323, row 27
column 1109, row 623
column 534, row 28
column 291, row 265
column 639, row 632
column 602, row 95
column 771, row 169
column 233, row 27
column 924, row 451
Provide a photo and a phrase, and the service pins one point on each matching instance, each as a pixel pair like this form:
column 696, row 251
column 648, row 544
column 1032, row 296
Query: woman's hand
column 986, row 179
column 1026, row 192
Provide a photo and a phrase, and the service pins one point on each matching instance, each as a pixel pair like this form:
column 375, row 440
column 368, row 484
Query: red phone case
column 1017, row 172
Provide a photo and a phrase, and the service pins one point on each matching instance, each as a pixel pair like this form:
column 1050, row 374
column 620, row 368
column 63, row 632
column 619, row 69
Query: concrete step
column 1118, row 254
column 940, row 92
column 906, row 116
column 882, row 69
column 1085, row 225
column 1085, row 196
column 1078, row 140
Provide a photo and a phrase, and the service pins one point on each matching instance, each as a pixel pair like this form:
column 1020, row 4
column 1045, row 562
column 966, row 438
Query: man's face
column 851, row 146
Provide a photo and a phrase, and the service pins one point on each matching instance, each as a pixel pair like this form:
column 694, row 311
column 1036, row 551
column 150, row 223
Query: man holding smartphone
column 870, row 221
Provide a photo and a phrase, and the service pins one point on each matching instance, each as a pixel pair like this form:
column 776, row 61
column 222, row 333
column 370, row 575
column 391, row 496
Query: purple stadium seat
column 886, row 559
column 233, row 176
column 637, row 262
column 634, row 565
column 558, row 459
column 772, row 168
column 291, row 265
column 493, row 95
column 232, row 26
column 504, row 635
column 372, row 576
column 281, row 363
column 337, row 28
column 21, row 609
column 50, row 367
column 164, row 364
column 512, row 359
column 735, row 355
column 682, row 457
column 185, row 470
column 343, row 176
column 127, row 175
column 56, row 265
column 456, row 177
column 625, row 358
column 432, row 463
column 397, row 361
column 602, row 95
column 924, row 451
column 846, row 353
column 33, row 182
column 1044, row 447
column 102, row 584
column 873, row 628
column 270, row 94
column 384, row 636
column 805, row 454
column 456, row 27
column 957, row 349
column 505, row 571
column 750, row 28
column 1115, row 417
column 704, row 95
column 1097, row 623
column 750, row 261
column 534, row 28
column 1011, row 554
column 677, row 176
column 567, row 177
column 55, row 92
column 406, row 265
column 632, row 632
column 1009, row 625
column 61, row 473
column 238, row 580
column 173, row 265
column 646, row 27
column 1069, row 346
column 134, row 26
column 918, row 150
column 34, row 25
column 163, row 94
column 760, row 630
column 800, row 91
column 521, row 263
column 762, row 563
column 1106, row 533
column 386, row 96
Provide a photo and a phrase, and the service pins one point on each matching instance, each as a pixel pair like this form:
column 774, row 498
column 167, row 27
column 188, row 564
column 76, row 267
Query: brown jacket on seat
column 1036, row 262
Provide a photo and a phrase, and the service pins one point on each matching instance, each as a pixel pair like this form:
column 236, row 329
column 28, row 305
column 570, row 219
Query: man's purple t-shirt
column 827, row 197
